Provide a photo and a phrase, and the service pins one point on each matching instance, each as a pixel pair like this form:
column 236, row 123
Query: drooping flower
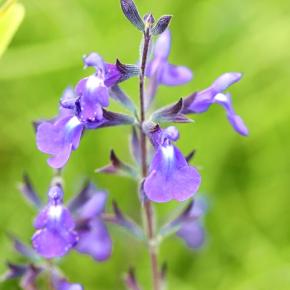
column 200, row 102
column 94, row 239
column 170, row 177
column 55, row 234
column 191, row 229
column 161, row 72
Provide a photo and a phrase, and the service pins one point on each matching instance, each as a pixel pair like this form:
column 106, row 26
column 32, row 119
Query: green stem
column 148, row 209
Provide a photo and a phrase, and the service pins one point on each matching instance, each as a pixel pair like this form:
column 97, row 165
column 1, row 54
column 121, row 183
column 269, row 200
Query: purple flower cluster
column 78, row 226
column 163, row 173
column 81, row 109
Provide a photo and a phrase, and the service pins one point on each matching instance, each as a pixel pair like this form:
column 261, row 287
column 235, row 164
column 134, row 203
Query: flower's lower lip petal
column 238, row 124
column 51, row 243
column 61, row 158
column 96, row 241
column 90, row 110
column 59, row 139
column 182, row 184
column 48, row 140
column 193, row 234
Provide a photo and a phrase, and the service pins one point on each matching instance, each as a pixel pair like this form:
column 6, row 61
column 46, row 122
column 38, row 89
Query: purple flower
column 55, row 234
column 170, row 177
column 201, row 101
column 94, row 239
column 94, row 90
column 160, row 71
column 191, row 230
column 82, row 109
column 61, row 135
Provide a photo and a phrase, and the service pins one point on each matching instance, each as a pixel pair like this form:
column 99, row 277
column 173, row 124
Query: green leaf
column 11, row 15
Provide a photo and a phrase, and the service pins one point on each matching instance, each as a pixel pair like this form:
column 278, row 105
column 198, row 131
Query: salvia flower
column 94, row 239
column 200, row 102
column 160, row 71
column 191, row 229
column 82, row 109
column 55, row 234
column 92, row 90
column 170, row 177
column 61, row 135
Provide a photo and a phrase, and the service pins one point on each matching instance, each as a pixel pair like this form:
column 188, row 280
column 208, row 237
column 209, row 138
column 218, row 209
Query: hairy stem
column 149, row 215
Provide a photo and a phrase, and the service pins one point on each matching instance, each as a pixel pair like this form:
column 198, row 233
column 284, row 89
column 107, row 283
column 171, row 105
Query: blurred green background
column 246, row 180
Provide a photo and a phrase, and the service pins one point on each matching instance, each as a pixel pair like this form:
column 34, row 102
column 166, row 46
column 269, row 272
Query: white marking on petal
column 93, row 82
column 55, row 212
column 168, row 152
column 72, row 123
column 75, row 287
column 221, row 98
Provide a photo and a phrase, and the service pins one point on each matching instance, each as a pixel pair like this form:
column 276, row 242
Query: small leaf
column 187, row 103
column 128, row 69
column 23, row 249
column 131, row 281
column 28, row 191
column 124, row 222
column 14, row 271
column 82, row 197
column 173, row 226
column 130, row 11
column 116, row 119
column 190, row 155
column 171, row 113
column 117, row 167
column 161, row 25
